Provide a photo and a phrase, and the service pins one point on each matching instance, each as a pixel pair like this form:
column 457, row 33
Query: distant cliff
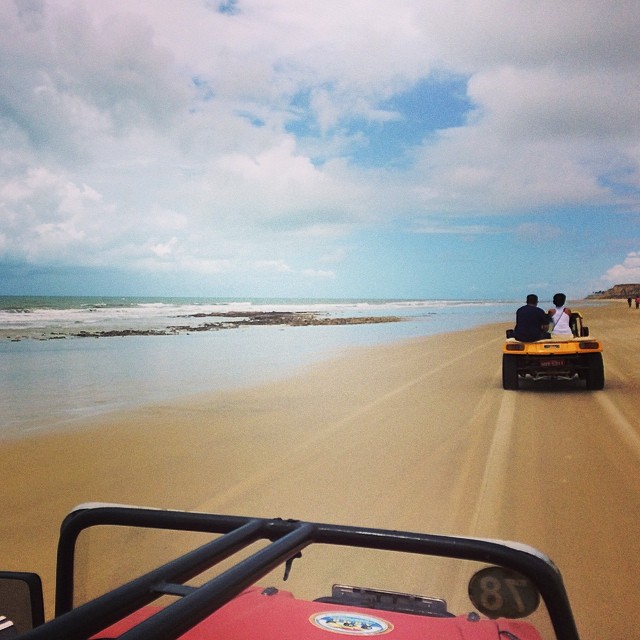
column 617, row 291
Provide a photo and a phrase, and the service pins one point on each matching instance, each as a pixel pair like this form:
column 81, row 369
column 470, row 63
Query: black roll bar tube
column 95, row 615
column 290, row 536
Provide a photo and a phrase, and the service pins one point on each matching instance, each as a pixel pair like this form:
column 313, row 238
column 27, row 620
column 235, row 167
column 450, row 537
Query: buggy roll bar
column 287, row 537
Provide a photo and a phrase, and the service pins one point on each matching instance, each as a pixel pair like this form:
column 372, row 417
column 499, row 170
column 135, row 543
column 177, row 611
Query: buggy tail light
column 516, row 346
column 589, row 344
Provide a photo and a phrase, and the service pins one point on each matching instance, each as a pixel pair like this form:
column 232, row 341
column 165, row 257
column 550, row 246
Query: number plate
column 552, row 362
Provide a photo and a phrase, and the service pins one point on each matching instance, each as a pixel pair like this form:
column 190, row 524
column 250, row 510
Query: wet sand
column 417, row 435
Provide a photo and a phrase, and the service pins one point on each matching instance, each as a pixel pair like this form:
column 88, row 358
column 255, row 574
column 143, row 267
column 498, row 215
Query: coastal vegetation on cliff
column 618, row 291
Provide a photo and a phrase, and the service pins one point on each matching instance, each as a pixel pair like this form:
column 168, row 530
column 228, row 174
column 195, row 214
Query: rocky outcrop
column 290, row 318
column 226, row 320
column 618, row 291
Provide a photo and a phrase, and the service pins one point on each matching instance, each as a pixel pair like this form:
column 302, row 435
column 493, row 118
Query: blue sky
column 416, row 149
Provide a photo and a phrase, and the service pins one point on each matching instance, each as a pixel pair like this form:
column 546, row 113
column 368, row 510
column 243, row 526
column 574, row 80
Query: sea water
column 46, row 382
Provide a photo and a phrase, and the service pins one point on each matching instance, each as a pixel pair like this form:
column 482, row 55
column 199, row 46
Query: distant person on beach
column 532, row 323
column 629, row 302
column 560, row 316
column 637, row 302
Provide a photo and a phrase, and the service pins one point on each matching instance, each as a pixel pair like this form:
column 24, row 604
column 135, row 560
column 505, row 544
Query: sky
column 460, row 149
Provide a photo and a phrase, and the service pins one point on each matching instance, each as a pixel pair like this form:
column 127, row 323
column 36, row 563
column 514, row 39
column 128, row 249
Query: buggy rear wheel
column 595, row 371
column 510, row 372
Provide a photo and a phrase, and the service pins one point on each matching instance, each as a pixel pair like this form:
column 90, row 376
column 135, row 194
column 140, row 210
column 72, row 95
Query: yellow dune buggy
column 579, row 357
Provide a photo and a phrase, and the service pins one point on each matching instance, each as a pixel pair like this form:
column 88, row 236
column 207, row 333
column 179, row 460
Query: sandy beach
column 417, row 435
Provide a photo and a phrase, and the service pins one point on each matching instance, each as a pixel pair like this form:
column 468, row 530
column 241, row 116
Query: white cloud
column 158, row 133
column 548, row 103
column 48, row 216
column 627, row 272
column 71, row 81
column 576, row 34
column 279, row 266
column 441, row 227
column 335, row 256
column 164, row 249
column 538, row 232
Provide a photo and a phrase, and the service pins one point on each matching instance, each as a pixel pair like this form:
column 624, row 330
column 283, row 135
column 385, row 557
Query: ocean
column 66, row 358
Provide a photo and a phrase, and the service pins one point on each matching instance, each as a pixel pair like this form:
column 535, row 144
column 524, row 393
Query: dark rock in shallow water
column 228, row 320
column 289, row 318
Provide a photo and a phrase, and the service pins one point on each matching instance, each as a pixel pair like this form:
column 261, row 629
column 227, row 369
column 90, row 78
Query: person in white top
column 560, row 316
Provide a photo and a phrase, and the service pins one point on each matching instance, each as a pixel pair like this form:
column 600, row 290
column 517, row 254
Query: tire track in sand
column 311, row 444
column 624, row 428
column 492, row 486
column 486, row 507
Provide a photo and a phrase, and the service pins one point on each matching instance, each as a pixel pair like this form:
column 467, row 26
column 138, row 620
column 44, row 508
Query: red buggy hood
column 258, row 614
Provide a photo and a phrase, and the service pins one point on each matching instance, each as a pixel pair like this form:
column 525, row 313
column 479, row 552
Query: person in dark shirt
column 532, row 323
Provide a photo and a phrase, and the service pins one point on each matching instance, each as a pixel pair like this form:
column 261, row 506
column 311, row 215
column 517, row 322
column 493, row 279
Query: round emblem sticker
column 353, row 624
